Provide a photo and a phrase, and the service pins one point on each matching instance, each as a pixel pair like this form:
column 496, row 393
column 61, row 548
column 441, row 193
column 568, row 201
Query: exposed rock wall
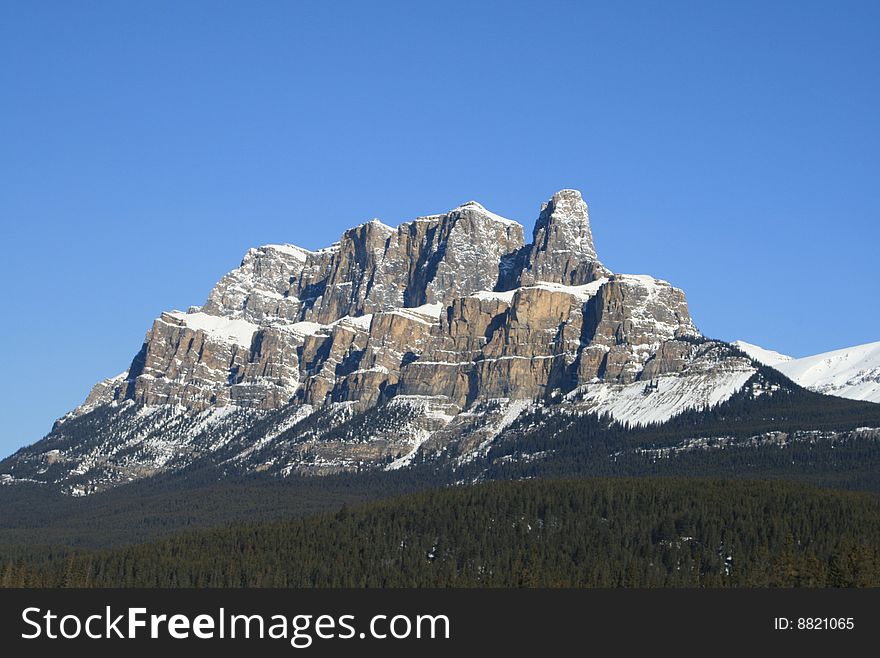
column 452, row 305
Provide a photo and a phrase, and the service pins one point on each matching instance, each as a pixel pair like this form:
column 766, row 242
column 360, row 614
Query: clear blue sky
column 729, row 147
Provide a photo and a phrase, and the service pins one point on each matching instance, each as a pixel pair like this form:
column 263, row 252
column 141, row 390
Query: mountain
column 390, row 347
column 852, row 372
column 767, row 357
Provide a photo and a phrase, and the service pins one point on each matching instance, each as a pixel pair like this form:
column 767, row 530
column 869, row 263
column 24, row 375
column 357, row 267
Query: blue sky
column 729, row 147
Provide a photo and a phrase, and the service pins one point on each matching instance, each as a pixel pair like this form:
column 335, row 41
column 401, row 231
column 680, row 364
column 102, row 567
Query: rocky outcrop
column 562, row 248
column 425, row 309
column 416, row 330
column 371, row 269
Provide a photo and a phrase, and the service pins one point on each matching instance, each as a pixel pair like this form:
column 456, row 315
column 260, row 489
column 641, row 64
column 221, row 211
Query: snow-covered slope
column 853, row 372
column 761, row 355
column 392, row 346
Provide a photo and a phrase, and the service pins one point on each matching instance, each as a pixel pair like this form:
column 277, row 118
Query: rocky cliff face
column 453, row 305
column 443, row 327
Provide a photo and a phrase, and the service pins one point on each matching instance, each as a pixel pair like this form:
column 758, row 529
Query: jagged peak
column 567, row 193
column 565, row 205
column 374, row 223
column 289, row 249
column 478, row 207
column 562, row 243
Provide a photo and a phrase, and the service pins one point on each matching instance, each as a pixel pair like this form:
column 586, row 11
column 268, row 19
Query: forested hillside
column 586, row 533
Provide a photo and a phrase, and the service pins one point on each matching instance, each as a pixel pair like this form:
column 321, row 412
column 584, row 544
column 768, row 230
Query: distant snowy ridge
column 761, row 355
column 851, row 372
column 391, row 347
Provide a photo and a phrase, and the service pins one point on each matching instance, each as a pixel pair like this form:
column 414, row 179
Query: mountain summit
column 391, row 345
column 851, row 372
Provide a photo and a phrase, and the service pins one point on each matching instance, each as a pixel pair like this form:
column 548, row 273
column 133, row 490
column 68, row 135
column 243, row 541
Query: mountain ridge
column 393, row 345
column 849, row 372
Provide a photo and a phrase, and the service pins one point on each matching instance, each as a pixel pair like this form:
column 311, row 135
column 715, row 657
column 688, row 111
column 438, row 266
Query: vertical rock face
column 372, row 268
column 258, row 289
column 452, row 305
column 417, row 324
column 562, row 248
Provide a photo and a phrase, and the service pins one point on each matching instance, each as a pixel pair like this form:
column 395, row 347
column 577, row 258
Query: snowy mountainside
column 767, row 357
column 852, row 372
column 390, row 347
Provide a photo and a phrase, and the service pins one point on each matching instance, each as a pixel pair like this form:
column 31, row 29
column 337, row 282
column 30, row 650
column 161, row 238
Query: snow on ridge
column 761, row 355
column 852, row 372
column 645, row 280
column 305, row 328
column 375, row 221
column 308, row 328
column 411, row 314
column 582, row 292
column 360, row 321
column 636, row 404
column 491, row 295
column 223, row 328
column 474, row 205
column 428, row 310
column 290, row 249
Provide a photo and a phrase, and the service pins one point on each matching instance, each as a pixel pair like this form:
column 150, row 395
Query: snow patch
column 643, row 403
column 233, row 330
column 761, row 355
column 298, row 253
column 852, row 372
column 491, row 295
column 583, row 293
column 473, row 205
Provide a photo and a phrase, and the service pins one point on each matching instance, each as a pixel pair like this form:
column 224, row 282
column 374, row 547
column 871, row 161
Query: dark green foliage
column 605, row 533
column 782, row 534
column 789, row 408
column 546, row 443
column 584, row 446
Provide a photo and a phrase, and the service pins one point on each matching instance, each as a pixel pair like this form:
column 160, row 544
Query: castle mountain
column 390, row 346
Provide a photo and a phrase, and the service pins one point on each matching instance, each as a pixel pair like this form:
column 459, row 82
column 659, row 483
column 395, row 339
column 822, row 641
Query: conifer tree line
column 605, row 532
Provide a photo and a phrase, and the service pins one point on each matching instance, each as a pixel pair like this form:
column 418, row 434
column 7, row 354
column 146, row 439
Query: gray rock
column 443, row 314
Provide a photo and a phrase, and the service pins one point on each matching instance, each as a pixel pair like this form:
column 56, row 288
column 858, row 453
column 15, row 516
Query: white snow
column 761, row 355
column 852, row 372
column 226, row 329
column 637, row 404
column 473, row 205
column 491, row 295
column 299, row 415
column 304, row 328
column 271, row 294
column 290, row 249
column 644, row 279
column 308, row 328
column 425, row 314
column 359, row 321
column 428, row 310
column 512, row 411
column 583, row 293
column 378, row 223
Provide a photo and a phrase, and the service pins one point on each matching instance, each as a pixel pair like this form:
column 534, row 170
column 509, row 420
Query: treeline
column 542, row 444
column 582, row 446
column 542, row 533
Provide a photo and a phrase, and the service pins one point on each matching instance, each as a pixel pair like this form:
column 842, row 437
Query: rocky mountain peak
column 431, row 322
column 562, row 249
